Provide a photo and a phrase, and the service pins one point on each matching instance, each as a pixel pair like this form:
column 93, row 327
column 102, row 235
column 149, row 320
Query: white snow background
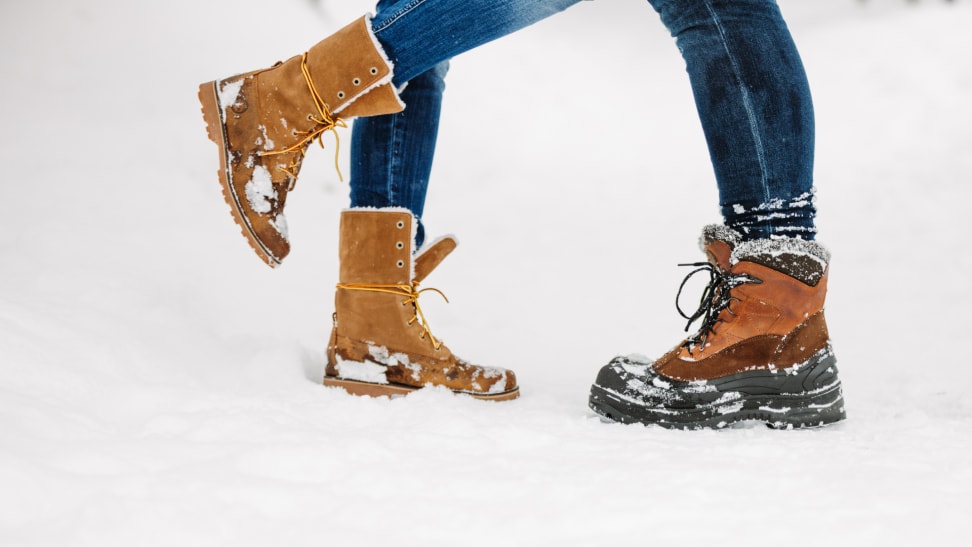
column 160, row 386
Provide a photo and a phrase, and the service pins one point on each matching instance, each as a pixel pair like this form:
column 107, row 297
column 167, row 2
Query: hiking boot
column 381, row 343
column 263, row 122
column 762, row 352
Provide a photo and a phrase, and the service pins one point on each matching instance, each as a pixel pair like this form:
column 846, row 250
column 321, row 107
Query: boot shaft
column 375, row 247
column 378, row 288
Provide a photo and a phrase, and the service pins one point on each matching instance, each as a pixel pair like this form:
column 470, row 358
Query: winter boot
column 381, row 343
column 263, row 122
column 762, row 353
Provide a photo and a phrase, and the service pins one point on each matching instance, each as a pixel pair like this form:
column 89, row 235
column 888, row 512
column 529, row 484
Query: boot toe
column 621, row 371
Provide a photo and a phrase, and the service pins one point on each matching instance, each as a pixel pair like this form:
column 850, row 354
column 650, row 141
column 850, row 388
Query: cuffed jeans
column 749, row 84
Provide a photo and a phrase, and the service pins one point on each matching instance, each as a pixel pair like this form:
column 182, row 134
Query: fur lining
column 777, row 247
column 801, row 259
column 719, row 232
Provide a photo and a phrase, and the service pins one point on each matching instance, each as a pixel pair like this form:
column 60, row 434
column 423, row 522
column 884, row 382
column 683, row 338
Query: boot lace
column 325, row 122
column 411, row 294
column 716, row 298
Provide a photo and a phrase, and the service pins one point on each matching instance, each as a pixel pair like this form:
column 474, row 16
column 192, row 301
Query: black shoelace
column 716, row 297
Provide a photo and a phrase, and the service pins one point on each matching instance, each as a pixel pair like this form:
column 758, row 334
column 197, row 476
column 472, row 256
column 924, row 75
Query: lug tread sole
column 212, row 114
column 790, row 411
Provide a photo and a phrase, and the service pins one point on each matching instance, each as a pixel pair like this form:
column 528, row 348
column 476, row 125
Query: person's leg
column 264, row 121
column 391, row 156
column 763, row 350
column 754, row 103
column 419, row 34
column 380, row 343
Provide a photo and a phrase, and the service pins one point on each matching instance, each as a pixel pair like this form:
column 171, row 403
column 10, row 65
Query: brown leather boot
column 381, row 343
column 263, row 122
column 762, row 353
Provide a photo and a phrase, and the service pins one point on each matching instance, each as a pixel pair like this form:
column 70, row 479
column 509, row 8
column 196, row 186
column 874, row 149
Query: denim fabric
column 754, row 102
column 419, row 34
column 391, row 156
column 750, row 89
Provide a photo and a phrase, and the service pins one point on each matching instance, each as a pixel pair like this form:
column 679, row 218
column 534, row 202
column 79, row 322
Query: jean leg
column 419, row 34
column 754, row 103
column 391, row 155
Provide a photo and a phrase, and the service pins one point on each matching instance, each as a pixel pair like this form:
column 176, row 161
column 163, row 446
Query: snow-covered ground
column 160, row 386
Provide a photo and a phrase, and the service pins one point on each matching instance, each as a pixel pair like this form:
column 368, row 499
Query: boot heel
column 820, row 410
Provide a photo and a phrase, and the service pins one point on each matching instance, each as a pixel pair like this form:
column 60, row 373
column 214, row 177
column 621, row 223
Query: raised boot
column 263, row 122
column 381, row 344
column 762, row 352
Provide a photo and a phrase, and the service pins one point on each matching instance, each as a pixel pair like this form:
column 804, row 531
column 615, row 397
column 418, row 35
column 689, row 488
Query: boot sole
column 792, row 412
column 215, row 129
column 755, row 401
column 368, row 389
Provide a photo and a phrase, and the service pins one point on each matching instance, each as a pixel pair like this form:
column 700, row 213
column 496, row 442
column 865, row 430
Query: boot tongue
column 718, row 242
column 432, row 255
column 718, row 254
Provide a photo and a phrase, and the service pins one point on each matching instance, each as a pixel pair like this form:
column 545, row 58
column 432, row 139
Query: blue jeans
column 391, row 156
column 749, row 84
column 753, row 99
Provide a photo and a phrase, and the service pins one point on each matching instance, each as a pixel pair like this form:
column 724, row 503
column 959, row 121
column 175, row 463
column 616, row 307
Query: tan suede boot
column 762, row 353
column 263, row 122
column 381, row 343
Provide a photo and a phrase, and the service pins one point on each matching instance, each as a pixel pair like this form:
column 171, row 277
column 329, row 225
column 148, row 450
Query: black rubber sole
column 809, row 397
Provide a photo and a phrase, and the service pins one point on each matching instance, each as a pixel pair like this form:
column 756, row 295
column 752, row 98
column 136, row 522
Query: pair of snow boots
column 762, row 351
column 263, row 123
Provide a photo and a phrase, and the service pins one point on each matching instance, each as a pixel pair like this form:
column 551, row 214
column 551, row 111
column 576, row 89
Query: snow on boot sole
column 368, row 389
column 808, row 395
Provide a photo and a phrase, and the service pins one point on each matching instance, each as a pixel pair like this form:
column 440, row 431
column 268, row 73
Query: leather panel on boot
column 432, row 255
column 774, row 305
column 374, row 248
column 753, row 353
column 384, row 319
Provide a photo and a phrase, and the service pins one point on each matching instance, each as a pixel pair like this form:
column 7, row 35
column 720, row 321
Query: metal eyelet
column 373, row 71
column 400, row 263
column 356, row 81
column 399, row 245
column 340, row 94
column 400, row 224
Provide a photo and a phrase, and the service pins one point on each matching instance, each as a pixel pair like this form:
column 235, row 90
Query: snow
column 160, row 386
column 229, row 92
column 259, row 191
column 363, row 371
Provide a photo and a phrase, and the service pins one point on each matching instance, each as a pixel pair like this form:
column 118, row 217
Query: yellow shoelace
column 325, row 122
column 411, row 294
